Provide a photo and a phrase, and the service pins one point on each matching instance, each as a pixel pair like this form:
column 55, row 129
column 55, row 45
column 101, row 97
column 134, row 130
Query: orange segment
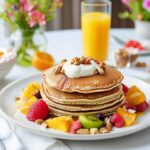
column 42, row 60
column 135, row 96
column 1, row 53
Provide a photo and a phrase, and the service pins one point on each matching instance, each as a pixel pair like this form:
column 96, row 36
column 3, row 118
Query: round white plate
column 8, row 108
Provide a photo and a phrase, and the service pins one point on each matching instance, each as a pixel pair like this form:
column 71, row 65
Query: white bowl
column 6, row 66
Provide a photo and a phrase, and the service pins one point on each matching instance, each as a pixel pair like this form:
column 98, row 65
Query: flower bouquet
column 28, row 16
column 139, row 12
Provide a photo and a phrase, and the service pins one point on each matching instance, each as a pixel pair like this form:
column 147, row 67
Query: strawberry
column 39, row 110
column 117, row 120
column 142, row 107
column 75, row 126
column 129, row 106
column 124, row 88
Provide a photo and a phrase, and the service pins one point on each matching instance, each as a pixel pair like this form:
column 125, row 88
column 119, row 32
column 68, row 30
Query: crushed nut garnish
column 17, row 98
column 63, row 61
column 103, row 130
column 94, row 131
column 39, row 121
column 108, row 123
column 83, row 131
column 57, row 69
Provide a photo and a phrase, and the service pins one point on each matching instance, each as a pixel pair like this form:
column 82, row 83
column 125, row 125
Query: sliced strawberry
column 75, row 126
column 129, row 106
column 125, row 88
column 117, row 120
column 142, row 107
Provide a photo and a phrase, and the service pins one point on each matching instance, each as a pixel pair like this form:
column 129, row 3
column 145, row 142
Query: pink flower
column 25, row 5
column 125, row 1
column 146, row 5
column 36, row 17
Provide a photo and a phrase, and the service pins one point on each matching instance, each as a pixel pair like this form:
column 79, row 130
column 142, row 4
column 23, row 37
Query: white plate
column 8, row 107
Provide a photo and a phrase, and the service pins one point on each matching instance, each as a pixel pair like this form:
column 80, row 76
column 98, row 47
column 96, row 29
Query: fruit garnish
column 42, row 60
column 117, row 120
column 30, row 90
column 90, row 121
column 135, row 96
column 134, row 44
column 24, row 105
column 75, row 126
column 38, row 95
column 124, row 88
column 62, row 123
column 100, row 116
column 142, row 107
column 129, row 118
column 39, row 110
column 1, row 53
column 129, row 106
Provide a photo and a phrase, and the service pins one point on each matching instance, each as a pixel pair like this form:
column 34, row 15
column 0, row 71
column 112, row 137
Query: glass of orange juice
column 95, row 22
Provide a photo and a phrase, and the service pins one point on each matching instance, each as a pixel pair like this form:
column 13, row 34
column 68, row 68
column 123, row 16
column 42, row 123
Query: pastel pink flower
column 25, row 5
column 36, row 18
column 146, row 5
column 125, row 1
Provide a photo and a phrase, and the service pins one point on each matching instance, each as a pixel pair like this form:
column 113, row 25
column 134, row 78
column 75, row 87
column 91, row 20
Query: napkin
column 20, row 139
column 36, row 142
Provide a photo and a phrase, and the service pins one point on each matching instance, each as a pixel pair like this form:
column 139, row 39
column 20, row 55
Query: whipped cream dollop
column 82, row 70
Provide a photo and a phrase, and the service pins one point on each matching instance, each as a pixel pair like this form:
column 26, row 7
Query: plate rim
column 62, row 135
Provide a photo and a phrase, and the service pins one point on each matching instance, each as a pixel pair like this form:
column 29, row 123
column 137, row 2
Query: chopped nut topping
column 57, row 69
column 103, row 130
column 94, row 131
column 141, row 64
column 83, row 131
column 39, row 121
column 17, row 98
column 108, row 124
column 63, row 61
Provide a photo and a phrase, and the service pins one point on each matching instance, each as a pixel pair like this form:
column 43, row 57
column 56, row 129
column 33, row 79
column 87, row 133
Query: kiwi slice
column 90, row 121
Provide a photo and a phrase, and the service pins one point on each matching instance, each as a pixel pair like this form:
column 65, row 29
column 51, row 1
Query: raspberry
column 39, row 110
column 117, row 120
column 75, row 126
column 142, row 107
column 124, row 88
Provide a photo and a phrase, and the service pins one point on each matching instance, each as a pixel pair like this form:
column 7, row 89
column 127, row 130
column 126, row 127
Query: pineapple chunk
column 62, row 123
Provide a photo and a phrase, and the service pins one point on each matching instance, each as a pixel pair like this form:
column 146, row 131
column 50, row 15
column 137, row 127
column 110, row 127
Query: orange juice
column 95, row 30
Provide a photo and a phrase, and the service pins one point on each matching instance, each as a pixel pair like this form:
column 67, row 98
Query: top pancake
column 89, row 84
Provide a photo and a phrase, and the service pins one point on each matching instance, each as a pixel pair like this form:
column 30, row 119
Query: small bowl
column 6, row 66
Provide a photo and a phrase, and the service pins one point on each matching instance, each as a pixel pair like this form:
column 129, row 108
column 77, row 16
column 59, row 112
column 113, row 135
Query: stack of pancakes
column 86, row 95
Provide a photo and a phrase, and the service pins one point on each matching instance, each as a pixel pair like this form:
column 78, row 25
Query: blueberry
column 100, row 116
column 38, row 95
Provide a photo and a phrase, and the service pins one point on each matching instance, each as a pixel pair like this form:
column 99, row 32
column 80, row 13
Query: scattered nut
column 57, row 69
column 83, row 131
column 39, row 121
column 103, row 130
column 94, row 131
column 108, row 123
column 141, row 64
column 63, row 61
column 17, row 98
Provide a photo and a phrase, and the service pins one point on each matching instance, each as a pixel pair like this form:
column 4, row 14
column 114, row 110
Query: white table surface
column 66, row 44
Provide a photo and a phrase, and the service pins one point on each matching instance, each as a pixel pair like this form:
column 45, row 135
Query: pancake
column 105, row 112
column 79, row 98
column 82, row 107
column 90, row 84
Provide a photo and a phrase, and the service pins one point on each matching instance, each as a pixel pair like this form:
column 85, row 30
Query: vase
column 26, row 43
column 142, row 29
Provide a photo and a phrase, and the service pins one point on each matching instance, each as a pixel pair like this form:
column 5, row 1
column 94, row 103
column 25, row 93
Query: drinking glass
column 95, row 22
